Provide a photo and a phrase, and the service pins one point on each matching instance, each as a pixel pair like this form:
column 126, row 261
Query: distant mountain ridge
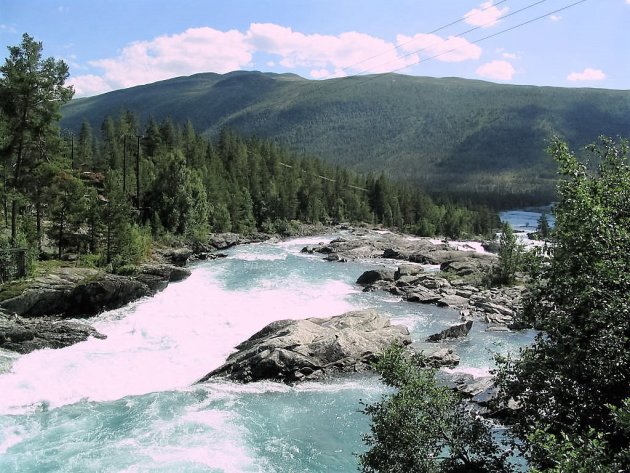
column 450, row 134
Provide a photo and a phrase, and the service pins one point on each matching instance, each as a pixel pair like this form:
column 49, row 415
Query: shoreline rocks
column 24, row 335
column 84, row 292
column 296, row 350
column 35, row 317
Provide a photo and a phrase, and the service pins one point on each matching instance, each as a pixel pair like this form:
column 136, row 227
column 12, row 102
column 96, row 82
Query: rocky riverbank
column 430, row 272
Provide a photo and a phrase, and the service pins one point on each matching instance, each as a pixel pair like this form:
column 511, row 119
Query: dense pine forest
column 107, row 193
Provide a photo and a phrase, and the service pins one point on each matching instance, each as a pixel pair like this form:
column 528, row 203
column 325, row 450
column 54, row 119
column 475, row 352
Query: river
column 129, row 403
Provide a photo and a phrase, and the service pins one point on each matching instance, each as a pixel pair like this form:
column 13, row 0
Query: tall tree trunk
column 38, row 224
column 60, row 233
column 14, row 212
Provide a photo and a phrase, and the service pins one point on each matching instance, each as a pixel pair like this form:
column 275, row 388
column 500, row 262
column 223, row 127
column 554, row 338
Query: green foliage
column 543, row 229
column 423, row 426
column 511, row 258
column 570, row 382
column 67, row 206
column 31, row 94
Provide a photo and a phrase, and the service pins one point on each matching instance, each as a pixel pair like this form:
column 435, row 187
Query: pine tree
column 31, row 93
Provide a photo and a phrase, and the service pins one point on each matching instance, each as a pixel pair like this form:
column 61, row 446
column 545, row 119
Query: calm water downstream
column 128, row 403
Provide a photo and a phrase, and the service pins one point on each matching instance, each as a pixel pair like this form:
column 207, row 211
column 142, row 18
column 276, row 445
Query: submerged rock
column 295, row 350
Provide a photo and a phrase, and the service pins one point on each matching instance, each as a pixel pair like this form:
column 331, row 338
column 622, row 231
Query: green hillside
column 449, row 135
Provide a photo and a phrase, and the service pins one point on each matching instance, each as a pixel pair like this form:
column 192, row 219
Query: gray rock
column 373, row 275
column 25, row 335
column 179, row 256
column 81, row 292
column 444, row 357
column 407, row 270
column 107, row 293
column 423, row 295
column 223, row 241
column 455, row 331
column 334, row 257
column 391, row 253
column 452, row 300
column 295, row 350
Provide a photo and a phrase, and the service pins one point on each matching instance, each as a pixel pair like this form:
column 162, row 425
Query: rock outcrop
column 24, row 335
column 83, row 292
column 314, row 348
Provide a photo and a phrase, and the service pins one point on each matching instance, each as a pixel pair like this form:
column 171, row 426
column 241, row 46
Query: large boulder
column 373, row 275
column 295, row 350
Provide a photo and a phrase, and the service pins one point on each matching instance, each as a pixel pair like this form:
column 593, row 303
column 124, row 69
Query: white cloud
column 326, row 74
column 557, row 17
column 496, row 70
column 344, row 53
column 486, row 15
column 587, row 74
column 88, row 84
column 510, row 55
column 8, row 28
column 210, row 50
column 194, row 50
column 628, row 2
column 451, row 49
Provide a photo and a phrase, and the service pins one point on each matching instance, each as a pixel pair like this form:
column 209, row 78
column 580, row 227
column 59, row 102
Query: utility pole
column 125, row 165
column 138, row 173
column 72, row 149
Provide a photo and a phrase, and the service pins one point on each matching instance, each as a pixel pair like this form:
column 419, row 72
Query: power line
column 499, row 32
column 324, row 177
column 372, row 77
column 463, row 33
column 398, row 46
column 321, row 82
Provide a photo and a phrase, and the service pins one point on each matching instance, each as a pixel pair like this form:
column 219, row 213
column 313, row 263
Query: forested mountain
column 448, row 135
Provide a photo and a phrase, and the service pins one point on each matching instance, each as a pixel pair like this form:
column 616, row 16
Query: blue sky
column 117, row 44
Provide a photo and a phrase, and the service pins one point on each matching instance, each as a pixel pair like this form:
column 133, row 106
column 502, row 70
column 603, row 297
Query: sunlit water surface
column 129, row 403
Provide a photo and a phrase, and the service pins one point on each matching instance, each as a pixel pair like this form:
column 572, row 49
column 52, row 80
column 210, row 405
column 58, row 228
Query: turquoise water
column 526, row 220
column 129, row 403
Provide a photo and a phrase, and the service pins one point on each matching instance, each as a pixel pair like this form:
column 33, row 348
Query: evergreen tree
column 510, row 257
column 543, row 228
column 66, row 197
column 31, row 93
column 85, row 146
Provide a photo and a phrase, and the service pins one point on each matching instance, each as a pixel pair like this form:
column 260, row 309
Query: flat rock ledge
column 297, row 350
column 24, row 335
column 84, row 292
